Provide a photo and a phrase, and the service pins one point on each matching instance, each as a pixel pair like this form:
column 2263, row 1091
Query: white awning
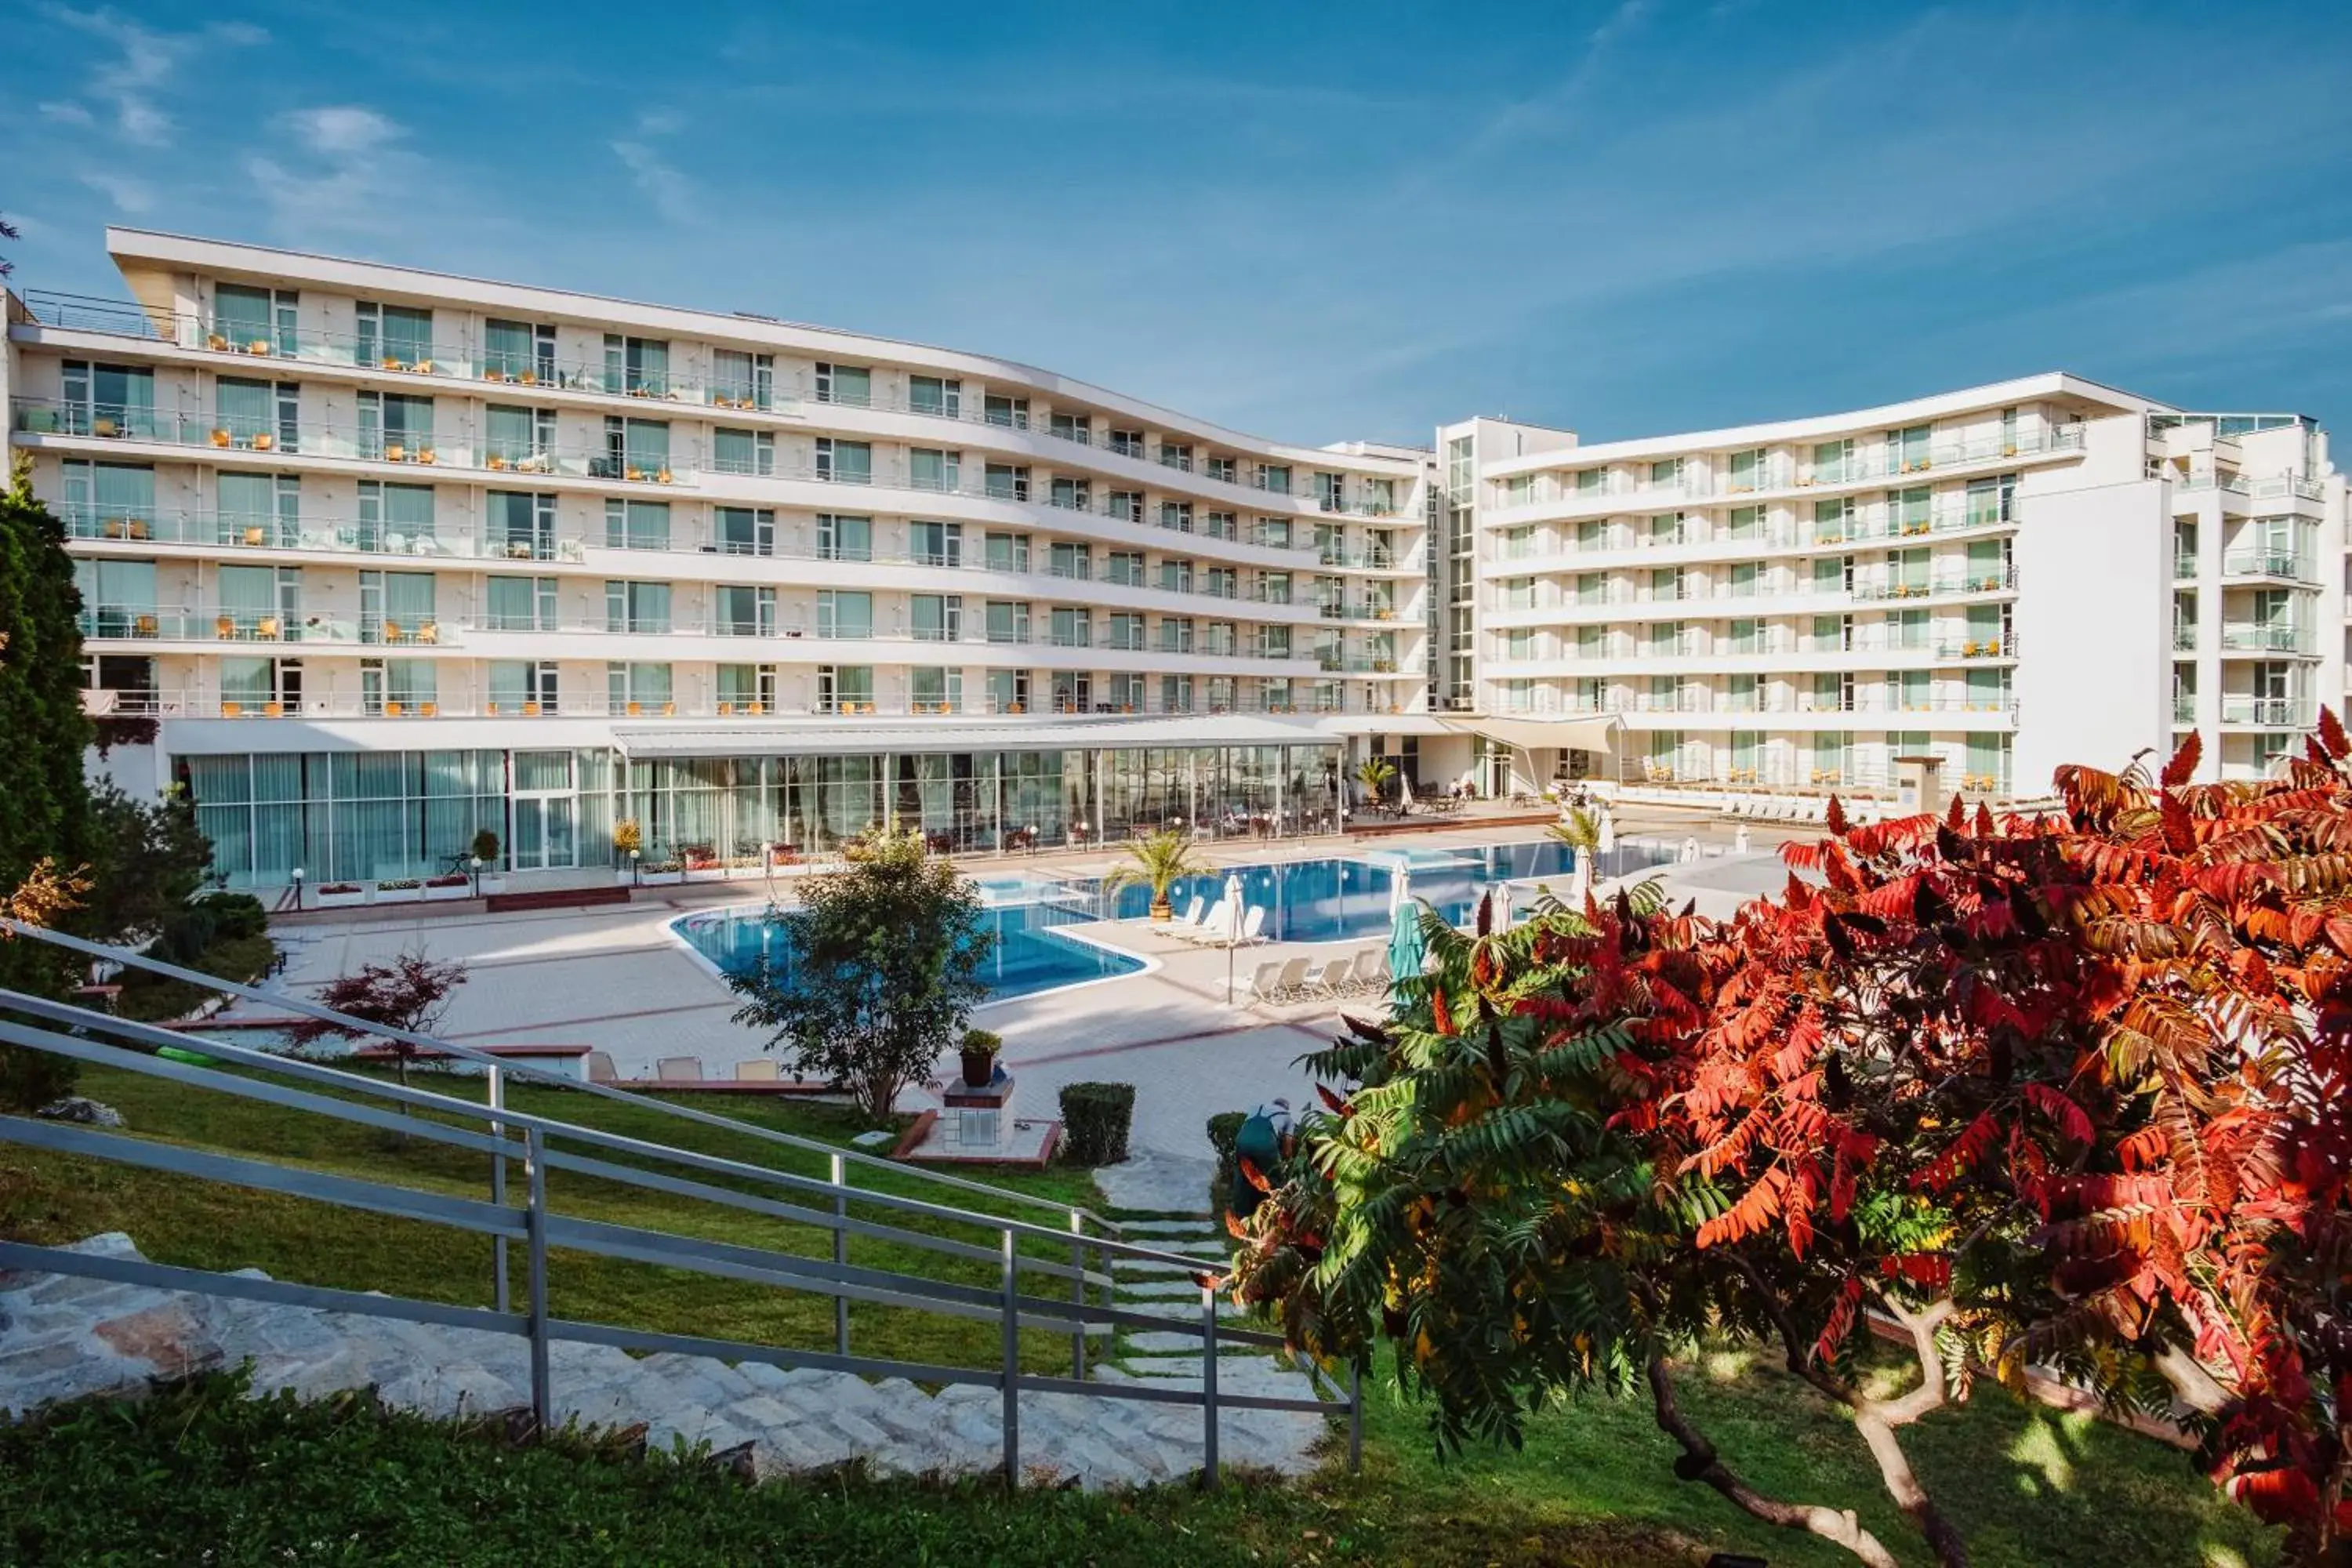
column 1598, row 733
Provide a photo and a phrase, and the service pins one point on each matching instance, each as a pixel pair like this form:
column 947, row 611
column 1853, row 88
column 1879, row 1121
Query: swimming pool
column 1341, row 901
column 1028, row 956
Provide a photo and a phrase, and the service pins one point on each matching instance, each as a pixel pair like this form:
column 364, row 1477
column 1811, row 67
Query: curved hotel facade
column 388, row 555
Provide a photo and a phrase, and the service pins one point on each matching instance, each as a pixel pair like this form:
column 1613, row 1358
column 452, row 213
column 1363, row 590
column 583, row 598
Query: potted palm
column 628, row 845
column 980, row 1050
column 1158, row 862
column 1375, row 774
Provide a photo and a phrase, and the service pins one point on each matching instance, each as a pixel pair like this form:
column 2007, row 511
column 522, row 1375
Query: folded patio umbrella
column 1407, row 950
column 1230, row 930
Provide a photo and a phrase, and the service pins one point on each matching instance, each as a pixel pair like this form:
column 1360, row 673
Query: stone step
column 1154, row 1290
column 1126, row 1269
column 1136, row 1229
column 1168, row 1341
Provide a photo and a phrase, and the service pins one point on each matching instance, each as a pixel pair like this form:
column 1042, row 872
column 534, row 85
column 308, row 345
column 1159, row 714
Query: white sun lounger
column 1265, row 985
column 1334, row 980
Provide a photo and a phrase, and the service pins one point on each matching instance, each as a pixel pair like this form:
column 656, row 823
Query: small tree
column 29, row 1078
column 149, row 860
column 1376, row 774
column 879, row 975
column 1578, row 828
column 486, row 848
column 1158, row 862
column 410, row 993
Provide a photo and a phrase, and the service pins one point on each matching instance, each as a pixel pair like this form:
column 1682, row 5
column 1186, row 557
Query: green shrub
column 30, row 1078
column 188, row 934
column 1095, row 1121
column 1225, row 1127
column 235, row 915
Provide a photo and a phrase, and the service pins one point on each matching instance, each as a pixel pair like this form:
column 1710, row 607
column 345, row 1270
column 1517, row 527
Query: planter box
column 491, row 884
column 461, row 891
column 661, row 879
column 339, row 900
column 400, row 895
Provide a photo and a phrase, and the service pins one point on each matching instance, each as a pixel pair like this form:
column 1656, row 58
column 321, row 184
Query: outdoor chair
column 1332, row 982
column 1253, row 925
column 1372, row 971
column 1214, row 926
column 600, row 1068
column 760, row 1069
column 678, row 1069
column 1189, row 921
column 1291, row 984
column 1265, row 984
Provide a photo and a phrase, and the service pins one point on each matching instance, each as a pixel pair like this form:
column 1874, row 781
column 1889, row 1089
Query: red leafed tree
column 410, row 993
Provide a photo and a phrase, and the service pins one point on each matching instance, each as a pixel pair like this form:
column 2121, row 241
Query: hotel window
column 934, row 394
column 1124, row 633
column 742, row 380
column 1908, row 628
column 1667, row 473
column 116, row 500
column 1006, row 552
column 747, row 688
column 843, row 537
column 743, row 530
column 518, row 435
column 1221, row 638
column 931, row 468
column 936, row 543
column 1125, row 505
column 633, row 449
column 393, row 517
column 634, row 688
column 1833, row 521
column 109, row 399
column 255, row 683
column 1742, row 698
column 522, row 686
column 844, row 462
column 1274, row 642
column 1380, row 495
column 1221, row 525
column 1833, row 462
column 1007, row 481
column 1176, row 514
column 519, row 351
column 521, row 526
column 253, row 509
column 1220, row 581
column 397, row 607
column 1747, row 471
column 1127, row 443
column 117, row 597
column 1079, row 428
column 845, row 688
column 1007, row 621
column 1911, row 510
column 1176, row 455
column 1070, row 628
column 1520, row 491
column 1331, row 492
column 1273, row 477
column 1746, row 524
column 1070, row 493
column 1273, row 532
column 842, row 613
column 935, row 690
column 936, row 617
column 1175, row 634
column 637, row 366
column 1176, row 693
column 520, row 604
column 1592, row 481
column 254, row 321
column 1994, row 501
column 1907, row 450
column 744, row 451
column 1012, row 412
column 1124, row 567
column 636, row 524
column 1072, row 560
column 395, row 337
column 851, row 386
column 636, row 608
column 1175, row 576
column 738, row 610
column 1518, row 594
column 1519, row 643
column 260, row 415
column 1225, row 468
column 1008, row 690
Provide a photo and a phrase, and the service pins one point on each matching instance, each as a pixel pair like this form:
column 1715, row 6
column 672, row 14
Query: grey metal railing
column 508, row 1134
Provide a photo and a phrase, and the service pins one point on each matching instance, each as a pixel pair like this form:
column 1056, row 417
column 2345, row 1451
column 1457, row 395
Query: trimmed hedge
column 1096, row 1118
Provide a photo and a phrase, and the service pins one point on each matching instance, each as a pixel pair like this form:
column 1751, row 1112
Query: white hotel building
column 383, row 557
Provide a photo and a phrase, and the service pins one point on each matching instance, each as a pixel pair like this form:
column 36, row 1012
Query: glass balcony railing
column 2274, row 712
column 139, row 622
column 2265, row 640
column 2266, row 563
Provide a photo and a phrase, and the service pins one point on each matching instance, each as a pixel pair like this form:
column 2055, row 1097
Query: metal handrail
column 538, row 1227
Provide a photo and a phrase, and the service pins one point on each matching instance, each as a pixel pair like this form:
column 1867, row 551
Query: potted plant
column 980, row 1050
column 341, row 895
column 456, row 885
column 399, row 891
column 1158, row 862
column 663, row 874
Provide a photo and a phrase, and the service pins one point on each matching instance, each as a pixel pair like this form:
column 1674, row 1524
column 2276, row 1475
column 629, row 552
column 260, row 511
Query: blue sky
column 1310, row 222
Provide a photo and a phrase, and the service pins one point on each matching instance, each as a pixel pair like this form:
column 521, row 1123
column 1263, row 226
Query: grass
column 149, row 997
column 1592, row 1485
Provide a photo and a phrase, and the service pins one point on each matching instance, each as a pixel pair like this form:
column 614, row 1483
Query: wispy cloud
column 669, row 188
column 144, row 63
column 354, row 168
column 128, row 194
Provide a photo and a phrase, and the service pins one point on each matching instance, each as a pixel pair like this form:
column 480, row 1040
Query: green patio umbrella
column 1407, row 948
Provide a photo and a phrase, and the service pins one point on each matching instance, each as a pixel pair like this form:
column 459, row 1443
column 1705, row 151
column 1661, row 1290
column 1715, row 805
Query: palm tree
column 1376, row 774
column 1159, row 861
column 1578, row 828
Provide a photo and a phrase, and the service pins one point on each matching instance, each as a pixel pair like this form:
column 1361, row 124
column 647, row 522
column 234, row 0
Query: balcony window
column 844, row 614
column 256, row 684
column 253, row 320
column 395, row 337
column 642, row 608
column 519, row 437
column 1124, row 567
column 1071, row 628
column 936, row 543
column 398, row 608
column 1124, row 633
column 936, row 617
column 115, row 500
column 520, row 604
column 1125, row 505
column 742, row 611
column 1273, row 477
column 522, row 686
column 1910, row 510
column 396, row 517
column 1007, row 621
column 1006, row 552
column 742, row 380
column 635, row 449
column 1007, row 481
column 1331, row 492
column 1012, row 412
column 1221, row 525
column 1747, row 471
column 934, row 689
column 1220, row 581
column 744, row 451
column 843, row 537
column 845, row 688
column 1008, row 690
column 246, row 414
column 636, row 524
column 1273, row 532
column 109, row 399
column 844, row 462
column 1833, row 462
column 1221, row 638
column 1906, row 449
column 1274, row 642
column 850, row 386
column 743, row 530
column 118, row 597
column 747, row 688
column 1176, row 693
column 518, row 352
column 1079, row 428
column 929, row 469
column 1127, row 443
column 1175, row 455
column 1176, row 634
column 520, row 526
column 1592, row 481
column 1175, row 576
column 637, row 366
column 1994, row 501
column 634, row 689
column 1072, row 560
column 1224, row 469
column 940, row 395
column 395, row 427
column 1070, row 494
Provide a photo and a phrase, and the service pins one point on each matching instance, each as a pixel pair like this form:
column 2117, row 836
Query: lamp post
column 476, row 868
column 635, row 868
column 298, row 888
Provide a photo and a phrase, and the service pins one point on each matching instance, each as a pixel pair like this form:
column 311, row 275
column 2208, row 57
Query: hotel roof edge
column 171, row 248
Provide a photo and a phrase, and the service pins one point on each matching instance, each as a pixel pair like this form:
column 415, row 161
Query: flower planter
column 979, row 1067
column 660, row 879
column 455, row 887
column 387, row 895
column 327, row 900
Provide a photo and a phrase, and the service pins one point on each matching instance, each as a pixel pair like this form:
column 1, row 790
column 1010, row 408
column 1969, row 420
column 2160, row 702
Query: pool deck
column 617, row 979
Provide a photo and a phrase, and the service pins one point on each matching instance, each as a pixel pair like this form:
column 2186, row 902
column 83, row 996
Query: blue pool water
column 1341, row 900
column 1029, row 954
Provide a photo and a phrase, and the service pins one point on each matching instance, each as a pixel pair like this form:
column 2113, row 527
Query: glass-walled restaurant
column 357, row 816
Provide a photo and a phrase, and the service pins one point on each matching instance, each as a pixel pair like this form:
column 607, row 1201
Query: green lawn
column 1593, row 1485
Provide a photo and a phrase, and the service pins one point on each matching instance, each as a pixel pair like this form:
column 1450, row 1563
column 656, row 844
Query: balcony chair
column 678, row 1069
column 223, row 628
column 392, row 632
